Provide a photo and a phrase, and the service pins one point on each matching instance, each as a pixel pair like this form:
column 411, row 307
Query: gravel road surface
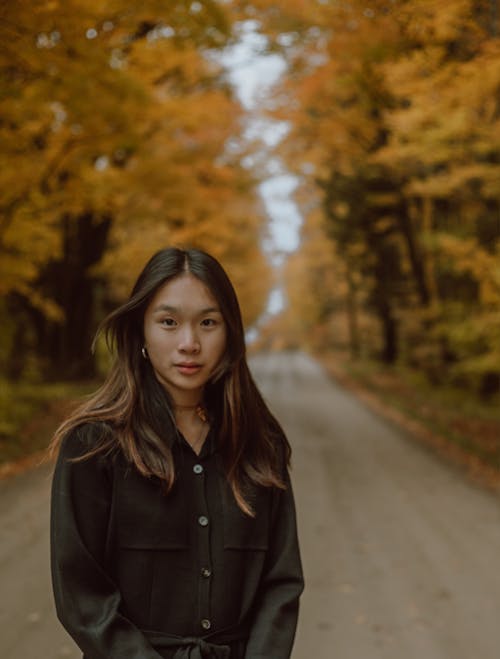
column 400, row 553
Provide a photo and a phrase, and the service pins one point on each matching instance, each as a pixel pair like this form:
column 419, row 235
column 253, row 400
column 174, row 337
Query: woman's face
column 185, row 337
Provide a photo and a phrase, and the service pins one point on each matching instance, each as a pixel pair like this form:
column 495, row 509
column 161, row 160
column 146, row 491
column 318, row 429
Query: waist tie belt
column 193, row 647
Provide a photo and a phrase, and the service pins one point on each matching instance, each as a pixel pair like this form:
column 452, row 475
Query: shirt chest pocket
column 147, row 518
column 241, row 531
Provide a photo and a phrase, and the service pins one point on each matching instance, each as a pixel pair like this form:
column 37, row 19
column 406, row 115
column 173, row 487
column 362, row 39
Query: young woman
column 173, row 528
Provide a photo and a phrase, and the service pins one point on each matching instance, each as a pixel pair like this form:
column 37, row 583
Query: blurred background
column 342, row 160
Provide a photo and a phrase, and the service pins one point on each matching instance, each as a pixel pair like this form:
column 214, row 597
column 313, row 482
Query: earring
column 144, row 352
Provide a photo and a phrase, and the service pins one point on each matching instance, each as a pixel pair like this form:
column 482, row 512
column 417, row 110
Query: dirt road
column 400, row 553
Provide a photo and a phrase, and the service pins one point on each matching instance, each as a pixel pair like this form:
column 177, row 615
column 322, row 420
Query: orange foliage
column 394, row 112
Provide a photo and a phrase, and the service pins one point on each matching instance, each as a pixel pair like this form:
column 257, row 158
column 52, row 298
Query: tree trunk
column 415, row 256
column 429, row 263
column 389, row 333
column 65, row 347
column 352, row 315
column 386, row 273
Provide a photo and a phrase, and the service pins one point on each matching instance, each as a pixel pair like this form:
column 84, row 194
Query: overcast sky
column 252, row 73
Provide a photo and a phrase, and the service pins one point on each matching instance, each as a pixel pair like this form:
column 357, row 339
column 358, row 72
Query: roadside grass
column 29, row 414
column 453, row 421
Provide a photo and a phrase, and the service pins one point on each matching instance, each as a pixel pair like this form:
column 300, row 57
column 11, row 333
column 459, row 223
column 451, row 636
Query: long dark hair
column 137, row 410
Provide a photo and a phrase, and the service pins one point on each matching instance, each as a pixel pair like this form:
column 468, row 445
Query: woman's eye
column 208, row 322
column 168, row 322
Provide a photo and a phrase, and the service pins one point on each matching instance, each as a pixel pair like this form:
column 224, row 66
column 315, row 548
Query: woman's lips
column 188, row 369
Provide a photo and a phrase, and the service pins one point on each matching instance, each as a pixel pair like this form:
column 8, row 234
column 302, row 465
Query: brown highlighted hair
column 137, row 410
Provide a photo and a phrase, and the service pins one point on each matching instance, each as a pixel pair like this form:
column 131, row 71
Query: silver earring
column 144, row 352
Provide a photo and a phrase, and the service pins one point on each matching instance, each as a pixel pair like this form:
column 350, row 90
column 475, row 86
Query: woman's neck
column 192, row 422
column 182, row 408
column 190, row 413
column 185, row 399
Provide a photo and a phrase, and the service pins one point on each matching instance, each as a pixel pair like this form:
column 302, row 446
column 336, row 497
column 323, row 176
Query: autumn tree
column 443, row 134
column 394, row 115
column 115, row 123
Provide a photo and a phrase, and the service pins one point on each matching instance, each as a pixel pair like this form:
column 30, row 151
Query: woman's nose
column 188, row 340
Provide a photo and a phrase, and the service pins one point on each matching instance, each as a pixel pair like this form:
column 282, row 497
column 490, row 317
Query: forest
column 395, row 115
column 121, row 133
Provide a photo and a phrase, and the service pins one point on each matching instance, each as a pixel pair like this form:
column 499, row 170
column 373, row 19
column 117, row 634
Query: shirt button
column 202, row 520
column 198, row 469
column 206, row 624
column 206, row 572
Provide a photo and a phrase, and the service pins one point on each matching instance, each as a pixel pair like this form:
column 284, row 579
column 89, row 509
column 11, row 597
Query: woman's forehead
column 184, row 292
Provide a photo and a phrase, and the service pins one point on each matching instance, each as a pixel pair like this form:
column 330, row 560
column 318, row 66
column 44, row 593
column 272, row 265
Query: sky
column 252, row 72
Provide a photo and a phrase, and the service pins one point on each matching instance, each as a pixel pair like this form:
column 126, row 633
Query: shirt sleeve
column 276, row 610
column 87, row 600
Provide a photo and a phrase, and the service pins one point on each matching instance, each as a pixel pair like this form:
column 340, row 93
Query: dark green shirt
column 138, row 574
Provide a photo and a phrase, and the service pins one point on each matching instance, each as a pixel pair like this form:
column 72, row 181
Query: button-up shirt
column 137, row 573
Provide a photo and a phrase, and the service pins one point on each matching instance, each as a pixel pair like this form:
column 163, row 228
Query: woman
column 173, row 527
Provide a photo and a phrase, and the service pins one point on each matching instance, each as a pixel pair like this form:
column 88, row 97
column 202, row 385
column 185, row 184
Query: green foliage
column 29, row 414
